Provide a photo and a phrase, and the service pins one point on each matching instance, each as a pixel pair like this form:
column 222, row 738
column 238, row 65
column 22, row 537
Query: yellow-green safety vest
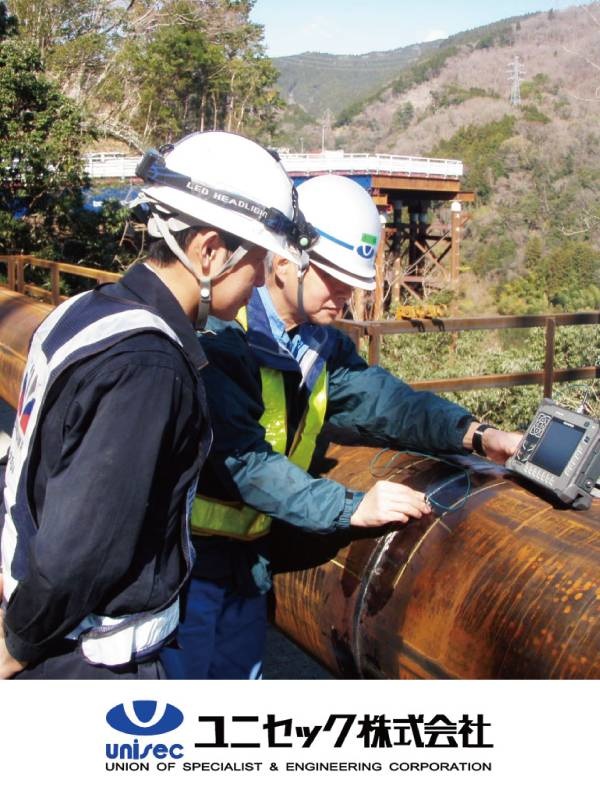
column 211, row 517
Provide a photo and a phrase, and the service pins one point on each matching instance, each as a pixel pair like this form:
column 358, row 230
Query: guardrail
column 111, row 165
column 374, row 331
column 16, row 280
column 116, row 165
column 16, row 276
column 377, row 163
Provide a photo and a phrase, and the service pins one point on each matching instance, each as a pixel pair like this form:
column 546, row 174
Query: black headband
column 298, row 231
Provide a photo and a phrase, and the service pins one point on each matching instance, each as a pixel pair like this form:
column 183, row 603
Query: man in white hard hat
column 275, row 377
column 112, row 426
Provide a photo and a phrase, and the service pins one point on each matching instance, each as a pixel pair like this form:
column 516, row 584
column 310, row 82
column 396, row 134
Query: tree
column 40, row 136
column 146, row 70
column 533, row 256
column 195, row 71
column 177, row 74
column 8, row 23
column 404, row 115
column 479, row 147
column 41, row 169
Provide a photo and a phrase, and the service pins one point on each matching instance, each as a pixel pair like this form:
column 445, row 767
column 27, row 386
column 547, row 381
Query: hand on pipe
column 389, row 502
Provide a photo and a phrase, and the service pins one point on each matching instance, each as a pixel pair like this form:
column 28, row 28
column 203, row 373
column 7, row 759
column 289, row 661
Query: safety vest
column 82, row 326
column 212, row 517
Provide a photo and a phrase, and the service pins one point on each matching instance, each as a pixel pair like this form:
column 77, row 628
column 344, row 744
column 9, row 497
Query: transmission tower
column 516, row 73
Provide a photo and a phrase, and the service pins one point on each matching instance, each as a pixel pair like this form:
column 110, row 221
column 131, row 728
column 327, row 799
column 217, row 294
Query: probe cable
column 429, row 495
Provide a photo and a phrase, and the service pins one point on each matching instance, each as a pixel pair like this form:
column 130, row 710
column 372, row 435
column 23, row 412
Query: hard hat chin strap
column 161, row 227
column 204, row 284
column 302, row 270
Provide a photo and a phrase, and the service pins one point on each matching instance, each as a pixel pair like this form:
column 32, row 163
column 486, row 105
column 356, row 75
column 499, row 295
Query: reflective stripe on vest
column 113, row 641
column 211, row 517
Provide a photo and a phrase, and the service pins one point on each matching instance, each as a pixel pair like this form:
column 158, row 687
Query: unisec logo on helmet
column 347, row 221
column 368, row 246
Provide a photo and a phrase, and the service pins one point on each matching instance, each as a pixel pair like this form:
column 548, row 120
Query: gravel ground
column 285, row 660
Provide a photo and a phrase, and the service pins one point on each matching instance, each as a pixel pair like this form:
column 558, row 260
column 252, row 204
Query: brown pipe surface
column 506, row 586
column 19, row 317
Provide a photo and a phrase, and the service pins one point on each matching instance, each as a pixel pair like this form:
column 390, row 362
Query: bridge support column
column 455, row 232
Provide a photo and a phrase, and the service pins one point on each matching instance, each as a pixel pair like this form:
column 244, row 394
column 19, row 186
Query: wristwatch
column 477, row 441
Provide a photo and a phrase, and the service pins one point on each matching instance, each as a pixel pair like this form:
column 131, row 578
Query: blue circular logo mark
column 365, row 250
column 144, row 717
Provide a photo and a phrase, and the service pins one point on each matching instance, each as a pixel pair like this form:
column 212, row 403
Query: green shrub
column 403, row 116
column 537, row 87
column 452, row 94
column 423, row 70
column 418, row 357
column 533, row 114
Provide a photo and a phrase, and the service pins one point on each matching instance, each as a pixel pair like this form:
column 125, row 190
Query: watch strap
column 478, row 438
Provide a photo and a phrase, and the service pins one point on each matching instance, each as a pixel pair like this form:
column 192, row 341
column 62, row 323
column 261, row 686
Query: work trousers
column 221, row 635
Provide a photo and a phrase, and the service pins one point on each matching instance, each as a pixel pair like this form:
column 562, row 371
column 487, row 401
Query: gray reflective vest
column 77, row 329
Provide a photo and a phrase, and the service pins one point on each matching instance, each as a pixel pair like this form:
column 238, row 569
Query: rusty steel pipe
column 504, row 586
column 19, row 317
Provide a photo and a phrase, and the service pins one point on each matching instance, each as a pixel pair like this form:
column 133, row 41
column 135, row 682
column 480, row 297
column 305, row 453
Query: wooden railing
column 16, row 277
column 374, row 331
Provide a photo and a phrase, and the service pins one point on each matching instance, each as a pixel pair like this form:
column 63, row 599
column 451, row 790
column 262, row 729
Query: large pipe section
column 19, row 317
column 503, row 585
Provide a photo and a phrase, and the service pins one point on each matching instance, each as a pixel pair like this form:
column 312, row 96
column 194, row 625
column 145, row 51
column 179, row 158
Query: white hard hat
column 347, row 221
column 229, row 182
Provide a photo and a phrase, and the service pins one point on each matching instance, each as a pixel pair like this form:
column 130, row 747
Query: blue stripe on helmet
column 333, row 239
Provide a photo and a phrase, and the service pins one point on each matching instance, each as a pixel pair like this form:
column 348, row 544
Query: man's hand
column 389, row 502
column 498, row 445
column 9, row 666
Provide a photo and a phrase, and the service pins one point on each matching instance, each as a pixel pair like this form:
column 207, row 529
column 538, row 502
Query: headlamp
column 153, row 169
column 298, row 231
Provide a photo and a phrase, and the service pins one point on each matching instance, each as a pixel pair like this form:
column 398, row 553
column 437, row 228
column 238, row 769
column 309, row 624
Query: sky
column 347, row 27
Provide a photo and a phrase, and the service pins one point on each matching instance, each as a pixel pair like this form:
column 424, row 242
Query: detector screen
column 557, row 446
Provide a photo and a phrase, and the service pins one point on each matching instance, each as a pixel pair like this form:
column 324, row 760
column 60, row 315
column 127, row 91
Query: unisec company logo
column 366, row 249
column 144, row 717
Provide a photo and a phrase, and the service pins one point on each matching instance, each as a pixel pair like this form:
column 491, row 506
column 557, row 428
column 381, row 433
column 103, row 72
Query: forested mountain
column 533, row 242
column 320, row 81
column 534, row 238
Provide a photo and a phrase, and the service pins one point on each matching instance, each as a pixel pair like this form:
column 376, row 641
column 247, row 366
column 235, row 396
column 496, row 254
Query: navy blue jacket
column 122, row 436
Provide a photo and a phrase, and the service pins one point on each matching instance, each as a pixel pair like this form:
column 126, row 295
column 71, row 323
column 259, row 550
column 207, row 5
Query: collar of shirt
column 304, row 348
column 147, row 288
